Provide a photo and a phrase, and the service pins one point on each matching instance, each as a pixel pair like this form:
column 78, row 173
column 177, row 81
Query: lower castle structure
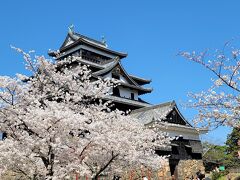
column 185, row 152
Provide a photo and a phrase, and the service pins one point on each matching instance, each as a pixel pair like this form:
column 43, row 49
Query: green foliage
column 218, row 175
column 214, row 153
column 226, row 155
column 218, row 155
column 233, row 148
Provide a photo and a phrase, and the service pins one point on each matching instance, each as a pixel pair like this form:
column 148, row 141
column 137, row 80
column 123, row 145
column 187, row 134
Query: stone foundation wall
column 188, row 168
column 164, row 172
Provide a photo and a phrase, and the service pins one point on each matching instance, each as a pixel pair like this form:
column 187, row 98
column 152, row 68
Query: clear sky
column 152, row 32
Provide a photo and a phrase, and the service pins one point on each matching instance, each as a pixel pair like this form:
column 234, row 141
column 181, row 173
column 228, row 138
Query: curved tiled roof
column 142, row 80
column 78, row 39
column 111, row 67
column 157, row 113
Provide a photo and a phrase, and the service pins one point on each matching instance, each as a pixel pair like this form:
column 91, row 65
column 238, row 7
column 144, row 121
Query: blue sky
column 151, row 32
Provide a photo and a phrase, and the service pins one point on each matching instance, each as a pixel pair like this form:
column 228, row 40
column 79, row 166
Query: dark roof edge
column 88, row 40
column 172, row 104
column 137, row 87
column 140, row 79
column 180, row 114
column 169, row 103
column 109, row 68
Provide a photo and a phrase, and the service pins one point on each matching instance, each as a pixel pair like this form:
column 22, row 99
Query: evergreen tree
column 233, row 147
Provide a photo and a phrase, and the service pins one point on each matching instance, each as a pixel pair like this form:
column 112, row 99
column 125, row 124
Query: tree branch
column 105, row 166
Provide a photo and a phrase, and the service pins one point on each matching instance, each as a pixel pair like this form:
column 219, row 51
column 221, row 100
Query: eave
column 127, row 101
column 140, row 89
column 87, row 38
column 140, row 81
column 174, row 127
column 176, row 130
column 81, row 40
column 108, row 67
column 111, row 66
column 168, row 104
column 160, row 111
column 134, row 85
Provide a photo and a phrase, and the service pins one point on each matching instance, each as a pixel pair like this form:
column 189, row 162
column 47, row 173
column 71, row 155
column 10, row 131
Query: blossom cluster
column 57, row 123
column 220, row 104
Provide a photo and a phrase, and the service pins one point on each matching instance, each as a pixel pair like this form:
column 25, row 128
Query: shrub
column 217, row 175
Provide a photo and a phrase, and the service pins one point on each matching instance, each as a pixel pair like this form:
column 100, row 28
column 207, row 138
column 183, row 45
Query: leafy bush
column 217, row 175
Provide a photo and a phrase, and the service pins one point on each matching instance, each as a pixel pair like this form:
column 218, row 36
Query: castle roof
column 103, row 63
column 157, row 113
column 131, row 82
column 74, row 39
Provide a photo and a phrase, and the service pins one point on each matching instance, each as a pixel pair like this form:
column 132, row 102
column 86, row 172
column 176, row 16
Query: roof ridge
column 91, row 39
column 169, row 103
column 79, row 38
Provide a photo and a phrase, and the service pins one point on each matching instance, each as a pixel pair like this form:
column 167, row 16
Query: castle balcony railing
column 91, row 58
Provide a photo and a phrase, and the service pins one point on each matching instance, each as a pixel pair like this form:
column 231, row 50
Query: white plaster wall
column 108, row 76
column 126, row 92
column 184, row 134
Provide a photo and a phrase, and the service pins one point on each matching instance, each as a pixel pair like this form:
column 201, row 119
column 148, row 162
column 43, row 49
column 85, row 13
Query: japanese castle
column 106, row 63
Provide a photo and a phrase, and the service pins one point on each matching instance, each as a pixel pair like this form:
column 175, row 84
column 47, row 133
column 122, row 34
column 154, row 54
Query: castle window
column 132, row 96
column 116, row 91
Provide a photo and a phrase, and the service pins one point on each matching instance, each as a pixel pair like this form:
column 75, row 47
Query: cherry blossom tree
column 220, row 104
column 58, row 123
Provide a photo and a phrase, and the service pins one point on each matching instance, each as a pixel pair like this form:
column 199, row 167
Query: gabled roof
column 108, row 68
column 73, row 39
column 116, row 62
column 76, row 36
column 111, row 67
column 157, row 113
